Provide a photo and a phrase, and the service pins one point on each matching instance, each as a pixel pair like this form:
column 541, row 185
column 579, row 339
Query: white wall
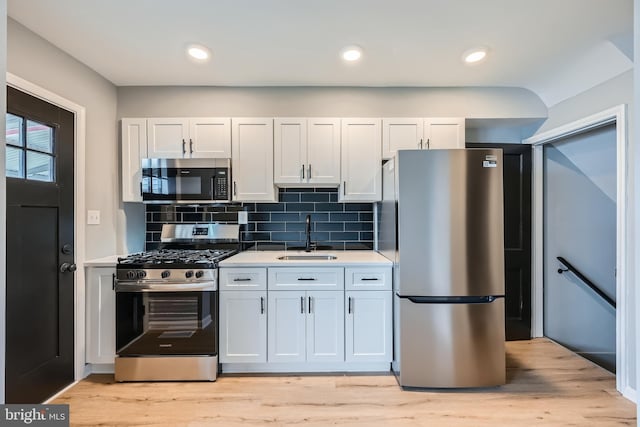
column 3, row 193
column 635, row 172
column 616, row 91
column 38, row 61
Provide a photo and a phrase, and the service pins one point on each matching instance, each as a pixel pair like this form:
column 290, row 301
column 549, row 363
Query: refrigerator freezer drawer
column 450, row 345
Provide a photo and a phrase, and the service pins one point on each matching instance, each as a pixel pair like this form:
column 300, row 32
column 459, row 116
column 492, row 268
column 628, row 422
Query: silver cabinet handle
column 309, row 174
column 309, row 305
column 369, row 279
column 306, row 279
column 302, row 305
column 344, row 188
column 420, row 144
column 184, row 149
column 243, row 279
column 235, row 192
column 261, row 305
column 191, row 145
column 428, row 143
column 303, row 172
column 349, row 309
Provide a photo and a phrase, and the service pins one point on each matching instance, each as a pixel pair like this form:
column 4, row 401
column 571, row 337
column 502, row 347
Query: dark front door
column 40, row 252
column 517, row 238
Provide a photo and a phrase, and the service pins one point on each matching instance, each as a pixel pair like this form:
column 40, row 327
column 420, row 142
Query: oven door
column 162, row 319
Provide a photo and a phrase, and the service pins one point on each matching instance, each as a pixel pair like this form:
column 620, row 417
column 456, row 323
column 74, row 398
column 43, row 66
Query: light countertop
column 107, row 261
column 270, row 259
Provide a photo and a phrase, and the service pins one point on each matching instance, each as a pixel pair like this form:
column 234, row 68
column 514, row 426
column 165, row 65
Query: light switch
column 93, row 217
column 242, row 217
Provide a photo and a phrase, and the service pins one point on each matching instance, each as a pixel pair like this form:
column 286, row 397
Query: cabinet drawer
column 243, row 278
column 368, row 278
column 328, row 278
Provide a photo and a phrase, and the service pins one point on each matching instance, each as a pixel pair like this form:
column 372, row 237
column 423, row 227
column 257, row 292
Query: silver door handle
column 349, row 308
column 67, row 267
column 235, row 192
column 261, row 305
column 184, row 149
column 309, row 174
column 309, row 305
column 302, row 305
column 420, row 144
column 303, row 172
column 191, row 145
column 428, row 143
column 344, row 188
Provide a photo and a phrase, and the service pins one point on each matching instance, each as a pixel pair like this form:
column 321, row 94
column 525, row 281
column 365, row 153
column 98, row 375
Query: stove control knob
column 165, row 274
column 188, row 274
column 199, row 274
column 131, row 274
column 141, row 274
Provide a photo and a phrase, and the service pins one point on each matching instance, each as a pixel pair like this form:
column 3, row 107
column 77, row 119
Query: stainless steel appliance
column 185, row 181
column 167, row 305
column 441, row 222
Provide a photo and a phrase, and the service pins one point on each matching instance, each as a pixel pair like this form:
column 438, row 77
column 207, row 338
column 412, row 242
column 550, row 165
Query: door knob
column 68, row 267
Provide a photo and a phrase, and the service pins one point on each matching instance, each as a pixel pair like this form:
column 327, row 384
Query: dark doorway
column 517, row 237
column 40, row 252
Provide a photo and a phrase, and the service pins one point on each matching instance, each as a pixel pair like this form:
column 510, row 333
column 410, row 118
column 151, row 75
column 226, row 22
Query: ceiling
column 554, row 48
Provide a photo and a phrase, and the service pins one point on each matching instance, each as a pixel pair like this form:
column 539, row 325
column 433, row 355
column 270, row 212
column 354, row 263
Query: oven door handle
column 165, row 287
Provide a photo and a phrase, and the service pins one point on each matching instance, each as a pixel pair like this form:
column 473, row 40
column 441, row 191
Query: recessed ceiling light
column 351, row 53
column 475, row 55
column 198, row 53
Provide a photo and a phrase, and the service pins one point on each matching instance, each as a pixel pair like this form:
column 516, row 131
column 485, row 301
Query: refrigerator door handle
column 452, row 300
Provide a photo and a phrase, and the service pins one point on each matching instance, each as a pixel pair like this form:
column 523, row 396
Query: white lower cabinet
column 368, row 331
column 101, row 315
column 243, row 326
column 306, row 326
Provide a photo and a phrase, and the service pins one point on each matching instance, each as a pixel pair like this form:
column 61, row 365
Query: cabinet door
column 290, row 150
column 210, row 137
column 101, row 315
column 401, row 134
column 243, row 326
column 323, row 147
column 361, row 160
column 368, row 326
column 325, row 326
column 286, row 326
column 252, row 159
column 444, row 132
column 168, row 138
column 134, row 149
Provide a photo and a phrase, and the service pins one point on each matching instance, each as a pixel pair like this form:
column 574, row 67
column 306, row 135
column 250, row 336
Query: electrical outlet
column 93, row 217
column 242, row 217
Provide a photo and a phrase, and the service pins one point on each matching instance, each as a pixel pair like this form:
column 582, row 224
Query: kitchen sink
column 310, row 257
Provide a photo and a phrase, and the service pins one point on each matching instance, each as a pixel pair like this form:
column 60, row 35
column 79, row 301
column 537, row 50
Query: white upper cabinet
column 134, row 148
column 361, row 160
column 418, row 133
column 400, row 134
column 444, row 132
column 306, row 151
column 181, row 137
column 252, row 160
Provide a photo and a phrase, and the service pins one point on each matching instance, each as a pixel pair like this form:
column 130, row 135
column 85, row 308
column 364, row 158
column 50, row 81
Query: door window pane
column 39, row 137
column 14, row 130
column 39, row 166
column 14, row 162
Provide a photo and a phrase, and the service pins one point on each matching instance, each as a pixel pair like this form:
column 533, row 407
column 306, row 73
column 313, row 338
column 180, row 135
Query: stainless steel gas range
column 167, row 305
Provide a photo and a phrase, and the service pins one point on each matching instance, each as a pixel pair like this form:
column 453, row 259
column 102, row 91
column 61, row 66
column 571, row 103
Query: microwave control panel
column 221, row 184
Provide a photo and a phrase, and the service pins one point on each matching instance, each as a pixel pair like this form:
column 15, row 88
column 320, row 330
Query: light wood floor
column 547, row 385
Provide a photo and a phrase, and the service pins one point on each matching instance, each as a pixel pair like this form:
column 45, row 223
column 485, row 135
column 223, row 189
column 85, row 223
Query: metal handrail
column 588, row 282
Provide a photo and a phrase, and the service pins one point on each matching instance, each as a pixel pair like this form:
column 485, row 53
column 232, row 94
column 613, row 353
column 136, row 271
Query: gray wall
column 3, row 202
column 614, row 92
column 329, row 102
column 580, row 225
column 38, row 61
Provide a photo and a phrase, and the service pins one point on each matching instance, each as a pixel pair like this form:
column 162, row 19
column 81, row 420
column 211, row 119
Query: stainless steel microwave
column 186, row 180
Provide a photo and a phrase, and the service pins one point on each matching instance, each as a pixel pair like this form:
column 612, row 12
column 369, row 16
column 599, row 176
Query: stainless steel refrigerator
column 441, row 222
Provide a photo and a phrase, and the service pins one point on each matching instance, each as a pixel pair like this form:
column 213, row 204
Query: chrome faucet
column 308, row 245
